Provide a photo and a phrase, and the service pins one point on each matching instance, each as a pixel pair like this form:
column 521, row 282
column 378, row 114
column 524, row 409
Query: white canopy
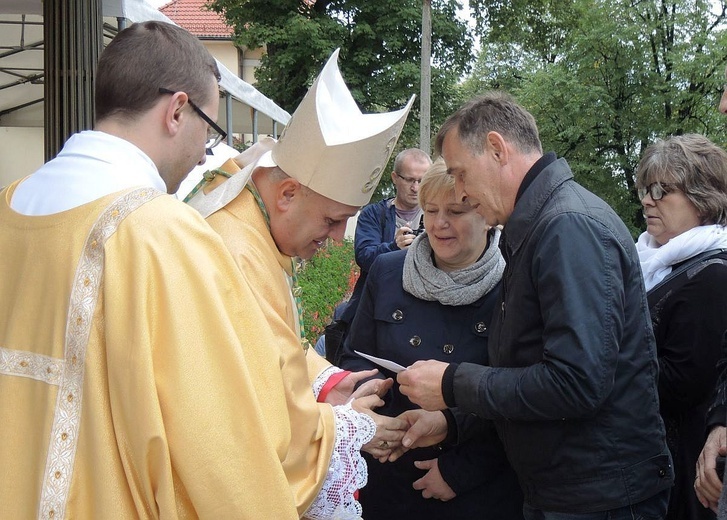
column 21, row 69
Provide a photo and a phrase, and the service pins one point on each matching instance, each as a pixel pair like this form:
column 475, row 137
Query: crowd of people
column 509, row 351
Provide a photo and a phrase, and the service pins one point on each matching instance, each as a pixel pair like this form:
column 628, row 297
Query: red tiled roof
column 194, row 16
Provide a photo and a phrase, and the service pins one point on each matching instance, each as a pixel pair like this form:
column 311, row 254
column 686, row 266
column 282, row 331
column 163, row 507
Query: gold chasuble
column 135, row 375
column 244, row 231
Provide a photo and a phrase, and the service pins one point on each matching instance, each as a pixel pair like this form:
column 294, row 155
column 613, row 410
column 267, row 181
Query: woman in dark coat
column 682, row 184
column 434, row 301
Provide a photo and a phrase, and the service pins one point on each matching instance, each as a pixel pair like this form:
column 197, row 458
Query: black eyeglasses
column 656, row 190
column 408, row 180
column 215, row 134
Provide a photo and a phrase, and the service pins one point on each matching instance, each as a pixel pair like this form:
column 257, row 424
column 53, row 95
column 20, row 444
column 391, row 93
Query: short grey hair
column 493, row 111
column 414, row 153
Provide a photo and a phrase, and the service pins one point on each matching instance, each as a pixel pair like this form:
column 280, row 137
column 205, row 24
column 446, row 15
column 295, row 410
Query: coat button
column 448, row 348
column 397, row 315
column 415, row 341
column 662, row 472
column 480, row 327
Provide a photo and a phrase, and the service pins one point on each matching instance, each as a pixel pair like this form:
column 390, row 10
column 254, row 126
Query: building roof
column 194, row 16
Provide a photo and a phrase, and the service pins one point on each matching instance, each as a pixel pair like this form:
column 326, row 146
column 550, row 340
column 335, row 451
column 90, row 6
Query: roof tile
column 194, row 16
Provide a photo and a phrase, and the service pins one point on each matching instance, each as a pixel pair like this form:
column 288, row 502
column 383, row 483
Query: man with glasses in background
column 381, row 227
column 128, row 382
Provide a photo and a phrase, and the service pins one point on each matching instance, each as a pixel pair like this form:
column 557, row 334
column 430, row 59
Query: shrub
column 326, row 280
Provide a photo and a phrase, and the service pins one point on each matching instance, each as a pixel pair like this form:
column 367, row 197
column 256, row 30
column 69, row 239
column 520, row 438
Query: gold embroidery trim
column 84, row 295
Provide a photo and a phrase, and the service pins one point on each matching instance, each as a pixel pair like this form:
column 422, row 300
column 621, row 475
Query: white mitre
column 328, row 146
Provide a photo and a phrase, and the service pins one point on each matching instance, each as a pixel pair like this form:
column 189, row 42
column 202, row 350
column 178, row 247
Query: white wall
column 21, row 150
column 250, row 62
column 225, row 52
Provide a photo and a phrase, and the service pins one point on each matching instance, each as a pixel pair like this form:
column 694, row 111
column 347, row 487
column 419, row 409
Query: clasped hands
column 421, row 383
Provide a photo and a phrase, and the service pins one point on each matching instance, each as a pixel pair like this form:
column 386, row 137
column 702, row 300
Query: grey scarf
column 461, row 287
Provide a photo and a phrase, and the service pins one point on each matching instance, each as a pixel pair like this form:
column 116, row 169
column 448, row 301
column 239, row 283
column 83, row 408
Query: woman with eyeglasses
column 682, row 183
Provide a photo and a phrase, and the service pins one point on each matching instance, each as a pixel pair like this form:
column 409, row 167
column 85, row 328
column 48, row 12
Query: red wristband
column 332, row 381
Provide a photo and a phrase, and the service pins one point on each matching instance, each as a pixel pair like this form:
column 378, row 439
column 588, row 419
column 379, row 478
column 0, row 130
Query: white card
column 389, row 365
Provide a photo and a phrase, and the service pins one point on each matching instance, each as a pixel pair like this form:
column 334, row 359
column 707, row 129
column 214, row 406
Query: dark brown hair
column 148, row 56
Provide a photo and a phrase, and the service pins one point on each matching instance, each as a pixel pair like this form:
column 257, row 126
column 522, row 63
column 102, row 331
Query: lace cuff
column 347, row 470
column 322, row 378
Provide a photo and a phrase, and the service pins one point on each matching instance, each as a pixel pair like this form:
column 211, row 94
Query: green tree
column 605, row 78
column 380, row 45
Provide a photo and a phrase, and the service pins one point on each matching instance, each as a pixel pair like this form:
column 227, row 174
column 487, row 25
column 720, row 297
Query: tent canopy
column 22, row 72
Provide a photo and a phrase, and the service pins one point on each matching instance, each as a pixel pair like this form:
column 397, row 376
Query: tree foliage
column 380, row 55
column 605, row 78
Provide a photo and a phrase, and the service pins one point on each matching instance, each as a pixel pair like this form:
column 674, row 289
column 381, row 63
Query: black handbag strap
column 684, row 267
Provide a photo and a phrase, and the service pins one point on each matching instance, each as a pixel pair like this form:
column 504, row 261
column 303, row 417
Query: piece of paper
column 389, row 365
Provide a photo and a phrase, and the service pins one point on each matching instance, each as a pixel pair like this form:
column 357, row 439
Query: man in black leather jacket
column 572, row 386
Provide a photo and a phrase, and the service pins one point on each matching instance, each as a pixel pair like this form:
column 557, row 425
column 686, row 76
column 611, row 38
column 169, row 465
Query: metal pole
column 73, row 35
column 426, row 78
column 228, row 113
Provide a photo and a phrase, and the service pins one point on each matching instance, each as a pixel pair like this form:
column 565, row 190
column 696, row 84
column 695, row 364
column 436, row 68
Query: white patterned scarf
column 421, row 278
column 657, row 262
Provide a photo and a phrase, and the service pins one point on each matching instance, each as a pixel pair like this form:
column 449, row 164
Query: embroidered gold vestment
column 132, row 382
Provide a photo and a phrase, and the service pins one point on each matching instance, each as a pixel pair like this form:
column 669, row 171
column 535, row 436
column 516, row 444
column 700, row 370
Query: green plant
column 326, row 280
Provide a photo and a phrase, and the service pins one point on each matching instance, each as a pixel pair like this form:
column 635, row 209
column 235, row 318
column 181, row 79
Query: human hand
column 343, row 391
column 373, row 387
column 423, row 429
column 422, row 384
column 433, row 485
column 708, row 484
column 389, row 430
column 403, row 237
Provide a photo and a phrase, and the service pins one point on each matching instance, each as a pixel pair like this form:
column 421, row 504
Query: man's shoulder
column 165, row 215
column 579, row 214
column 378, row 206
column 173, row 233
column 563, row 195
column 244, row 231
column 171, row 206
column 582, row 201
